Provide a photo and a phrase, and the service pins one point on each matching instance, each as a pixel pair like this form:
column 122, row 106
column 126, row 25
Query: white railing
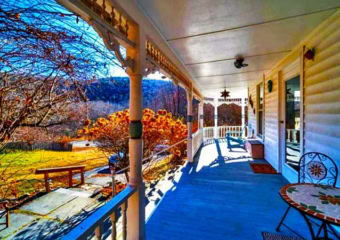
column 197, row 140
column 293, row 135
column 208, row 132
column 95, row 222
column 235, row 131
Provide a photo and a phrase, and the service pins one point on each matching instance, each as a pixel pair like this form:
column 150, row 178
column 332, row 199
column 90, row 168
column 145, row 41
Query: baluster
column 103, row 9
column 114, row 227
column 113, row 16
column 98, row 232
column 124, row 220
column 120, row 27
column 294, row 136
column 126, row 28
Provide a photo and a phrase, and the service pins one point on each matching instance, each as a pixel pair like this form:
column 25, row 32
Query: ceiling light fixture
column 225, row 94
column 239, row 63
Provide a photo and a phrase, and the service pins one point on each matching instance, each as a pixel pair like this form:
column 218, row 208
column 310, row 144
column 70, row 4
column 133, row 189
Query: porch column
column 243, row 116
column 200, row 120
column 189, row 125
column 136, row 203
column 201, row 115
column 215, row 118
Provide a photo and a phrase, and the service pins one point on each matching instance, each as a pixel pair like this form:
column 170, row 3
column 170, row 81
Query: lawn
column 18, row 168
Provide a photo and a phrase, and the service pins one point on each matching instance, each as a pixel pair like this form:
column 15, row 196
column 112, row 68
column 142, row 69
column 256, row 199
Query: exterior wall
column 320, row 96
column 271, row 123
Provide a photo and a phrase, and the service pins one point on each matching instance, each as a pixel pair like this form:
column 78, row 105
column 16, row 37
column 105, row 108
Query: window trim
column 258, row 109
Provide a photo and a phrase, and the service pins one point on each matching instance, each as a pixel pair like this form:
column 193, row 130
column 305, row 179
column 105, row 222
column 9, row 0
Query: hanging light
column 225, row 94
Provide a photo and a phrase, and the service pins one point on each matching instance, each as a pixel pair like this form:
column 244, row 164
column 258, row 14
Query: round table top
column 319, row 201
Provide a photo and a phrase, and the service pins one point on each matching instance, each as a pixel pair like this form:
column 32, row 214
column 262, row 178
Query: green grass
column 20, row 166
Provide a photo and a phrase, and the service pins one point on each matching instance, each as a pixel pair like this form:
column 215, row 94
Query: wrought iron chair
column 315, row 168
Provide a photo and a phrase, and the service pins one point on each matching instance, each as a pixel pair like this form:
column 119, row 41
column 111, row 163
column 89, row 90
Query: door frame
column 288, row 72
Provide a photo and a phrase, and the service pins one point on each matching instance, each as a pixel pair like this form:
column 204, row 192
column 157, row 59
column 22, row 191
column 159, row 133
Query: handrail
column 152, row 155
column 94, row 222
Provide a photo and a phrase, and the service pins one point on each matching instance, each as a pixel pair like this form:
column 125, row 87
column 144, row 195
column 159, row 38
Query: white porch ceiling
column 209, row 34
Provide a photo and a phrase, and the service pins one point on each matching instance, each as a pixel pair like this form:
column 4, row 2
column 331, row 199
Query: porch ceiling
column 209, row 35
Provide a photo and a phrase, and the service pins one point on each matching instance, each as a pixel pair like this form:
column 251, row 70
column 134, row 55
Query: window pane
column 293, row 122
column 261, row 92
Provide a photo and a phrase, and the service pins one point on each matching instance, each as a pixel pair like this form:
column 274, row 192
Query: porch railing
column 235, row 131
column 197, row 140
column 209, row 132
column 95, row 222
column 293, row 136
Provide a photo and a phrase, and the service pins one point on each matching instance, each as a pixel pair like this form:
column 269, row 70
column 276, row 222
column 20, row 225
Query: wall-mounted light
column 309, row 54
column 251, row 102
column 270, row 86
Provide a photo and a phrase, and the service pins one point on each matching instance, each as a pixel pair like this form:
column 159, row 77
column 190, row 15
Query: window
column 293, row 143
column 260, row 106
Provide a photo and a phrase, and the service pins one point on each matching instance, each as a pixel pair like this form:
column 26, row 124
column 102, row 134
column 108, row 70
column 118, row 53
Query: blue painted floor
column 219, row 197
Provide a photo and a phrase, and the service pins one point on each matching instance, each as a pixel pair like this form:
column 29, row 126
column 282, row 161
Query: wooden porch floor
column 219, row 197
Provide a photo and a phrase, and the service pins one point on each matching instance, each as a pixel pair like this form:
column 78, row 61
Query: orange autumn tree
column 112, row 133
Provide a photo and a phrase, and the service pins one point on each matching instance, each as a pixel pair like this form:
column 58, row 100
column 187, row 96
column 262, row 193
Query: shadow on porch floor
column 219, row 197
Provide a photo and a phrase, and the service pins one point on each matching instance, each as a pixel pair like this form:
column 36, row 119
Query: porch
column 219, row 197
column 202, row 49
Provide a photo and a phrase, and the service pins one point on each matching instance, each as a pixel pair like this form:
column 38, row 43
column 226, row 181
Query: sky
column 114, row 71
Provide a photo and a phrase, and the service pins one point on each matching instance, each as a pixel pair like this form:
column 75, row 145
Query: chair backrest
column 228, row 139
column 317, row 168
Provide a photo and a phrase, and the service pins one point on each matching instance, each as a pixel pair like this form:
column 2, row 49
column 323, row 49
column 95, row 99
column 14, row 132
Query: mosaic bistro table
column 318, row 201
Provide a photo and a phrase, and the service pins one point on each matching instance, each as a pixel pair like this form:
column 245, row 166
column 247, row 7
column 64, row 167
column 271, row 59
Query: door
column 290, row 127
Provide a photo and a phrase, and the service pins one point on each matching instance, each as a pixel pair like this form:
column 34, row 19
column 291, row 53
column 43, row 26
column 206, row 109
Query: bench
column 68, row 169
column 5, row 212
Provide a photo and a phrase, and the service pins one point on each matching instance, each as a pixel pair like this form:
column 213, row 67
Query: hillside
column 116, row 90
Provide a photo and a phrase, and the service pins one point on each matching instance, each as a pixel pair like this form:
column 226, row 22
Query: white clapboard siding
column 322, row 92
column 271, row 139
column 292, row 70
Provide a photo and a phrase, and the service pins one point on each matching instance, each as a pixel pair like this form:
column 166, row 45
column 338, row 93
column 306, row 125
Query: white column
column 200, row 115
column 215, row 118
column 136, row 203
column 189, row 126
column 243, row 116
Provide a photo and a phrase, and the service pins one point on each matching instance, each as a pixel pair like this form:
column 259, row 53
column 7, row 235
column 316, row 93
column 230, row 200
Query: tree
column 171, row 98
column 112, row 133
column 229, row 114
column 208, row 110
column 47, row 56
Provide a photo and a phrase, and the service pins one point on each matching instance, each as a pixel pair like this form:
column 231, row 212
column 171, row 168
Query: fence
column 39, row 145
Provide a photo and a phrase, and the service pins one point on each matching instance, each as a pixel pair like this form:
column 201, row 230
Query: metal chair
column 315, row 168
